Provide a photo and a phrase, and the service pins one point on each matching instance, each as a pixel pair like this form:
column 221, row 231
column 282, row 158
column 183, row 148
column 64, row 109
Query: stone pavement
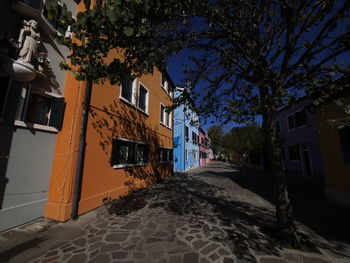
column 198, row 216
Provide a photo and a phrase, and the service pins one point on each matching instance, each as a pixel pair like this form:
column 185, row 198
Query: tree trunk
column 284, row 210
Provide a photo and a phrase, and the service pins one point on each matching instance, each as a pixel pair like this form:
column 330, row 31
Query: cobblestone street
column 198, row 216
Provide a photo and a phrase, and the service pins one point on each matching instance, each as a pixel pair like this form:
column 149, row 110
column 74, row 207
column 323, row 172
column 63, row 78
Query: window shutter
column 345, row 143
column 26, row 102
column 57, row 111
column 114, row 157
column 145, row 154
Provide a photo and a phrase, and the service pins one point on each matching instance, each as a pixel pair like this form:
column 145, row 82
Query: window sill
column 35, row 126
column 127, row 102
column 142, row 111
column 119, row 166
column 165, row 126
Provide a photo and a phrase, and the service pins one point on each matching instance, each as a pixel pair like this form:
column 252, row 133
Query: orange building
column 334, row 132
column 128, row 142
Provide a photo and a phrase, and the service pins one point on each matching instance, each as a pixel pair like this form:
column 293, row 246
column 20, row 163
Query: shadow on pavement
column 322, row 216
column 10, row 253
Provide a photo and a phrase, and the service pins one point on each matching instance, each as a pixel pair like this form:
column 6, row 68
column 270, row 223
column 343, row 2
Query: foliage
column 216, row 133
column 245, row 139
column 251, row 57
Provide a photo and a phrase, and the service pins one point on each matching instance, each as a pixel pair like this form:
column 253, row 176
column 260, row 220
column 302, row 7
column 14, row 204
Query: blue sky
column 176, row 72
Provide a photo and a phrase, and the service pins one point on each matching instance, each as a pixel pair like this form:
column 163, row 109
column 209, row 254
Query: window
column 127, row 153
column 186, row 155
column 165, row 155
column 278, row 127
column 128, row 90
column 167, row 86
column 186, row 132
column 297, row 119
column 344, row 134
column 164, row 83
column 40, row 108
column 143, row 98
column 294, row 154
column 165, row 117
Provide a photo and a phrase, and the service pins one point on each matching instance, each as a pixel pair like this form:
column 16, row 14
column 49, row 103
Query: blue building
column 186, row 137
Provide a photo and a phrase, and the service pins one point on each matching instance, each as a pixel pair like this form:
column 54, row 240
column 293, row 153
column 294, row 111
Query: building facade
column 31, row 107
column 186, row 138
column 334, row 132
column 297, row 129
column 129, row 131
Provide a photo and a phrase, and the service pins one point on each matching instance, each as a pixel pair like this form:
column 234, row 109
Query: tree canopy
column 252, row 57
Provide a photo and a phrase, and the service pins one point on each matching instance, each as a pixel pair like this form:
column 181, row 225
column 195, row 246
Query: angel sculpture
column 29, row 40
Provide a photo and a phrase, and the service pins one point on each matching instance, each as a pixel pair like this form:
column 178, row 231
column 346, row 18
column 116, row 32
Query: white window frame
column 133, row 94
column 170, row 115
column 117, row 166
column 147, row 98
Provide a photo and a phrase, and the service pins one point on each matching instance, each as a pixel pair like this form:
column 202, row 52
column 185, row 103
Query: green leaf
column 128, row 31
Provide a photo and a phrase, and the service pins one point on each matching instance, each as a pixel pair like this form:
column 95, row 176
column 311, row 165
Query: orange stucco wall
column 336, row 172
column 109, row 117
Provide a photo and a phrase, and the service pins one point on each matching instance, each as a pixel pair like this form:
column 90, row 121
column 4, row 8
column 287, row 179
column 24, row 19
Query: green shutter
column 57, row 111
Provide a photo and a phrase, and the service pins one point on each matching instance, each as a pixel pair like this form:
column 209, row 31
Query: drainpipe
column 81, row 150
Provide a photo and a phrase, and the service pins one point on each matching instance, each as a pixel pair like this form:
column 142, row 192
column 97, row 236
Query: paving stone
column 93, row 253
column 100, row 258
column 204, row 260
column 119, row 237
column 159, row 246
column 80, row 242
column 178, row 250
column 191, row 258
column 209, row 248
column 130, row 247
column 102, row 225
column 291, row 257
column 52, row 253
column 161, row 234
column 171, row 238
column 79, row 250
column 214, row 256
column 119, row 255
column 228, row 260
column 67, row 249
column 100, row 232
column 162, row 261
column 223, row 252
column 131, row 225
column 306, row 259
column 94, row 239
column 80, row 258
column 199, row 244
column 156, row 255
column 272, row 260
column 138, row 255
column 110, row 247
column 95, row 245
column 175, row 259
column 50, row 259
column 153, row 239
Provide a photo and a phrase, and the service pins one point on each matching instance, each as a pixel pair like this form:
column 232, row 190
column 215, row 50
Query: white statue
column 29, row 40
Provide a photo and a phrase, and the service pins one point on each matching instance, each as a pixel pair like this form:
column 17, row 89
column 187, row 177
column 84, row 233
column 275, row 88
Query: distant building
column 297, row 129
column 186, row 137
